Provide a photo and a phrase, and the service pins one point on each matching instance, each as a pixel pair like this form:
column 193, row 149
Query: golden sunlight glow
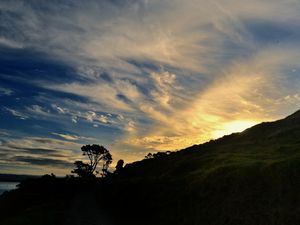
column 233, row 127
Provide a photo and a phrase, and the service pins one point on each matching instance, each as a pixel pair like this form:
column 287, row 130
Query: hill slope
column 245, row 178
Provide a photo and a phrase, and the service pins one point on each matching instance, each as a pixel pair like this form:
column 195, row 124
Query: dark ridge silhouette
column 244, row 178
column 15, row 177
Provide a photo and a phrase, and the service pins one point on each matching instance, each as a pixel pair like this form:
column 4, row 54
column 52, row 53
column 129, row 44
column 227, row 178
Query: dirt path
column 85, row 211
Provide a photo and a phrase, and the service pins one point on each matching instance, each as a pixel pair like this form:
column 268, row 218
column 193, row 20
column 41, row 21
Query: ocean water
column 6, row 186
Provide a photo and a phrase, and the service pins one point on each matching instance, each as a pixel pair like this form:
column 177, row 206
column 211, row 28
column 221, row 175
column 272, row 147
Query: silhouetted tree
column 107, row 160
column 119, row 166
column 95, row 153
column 82, row 169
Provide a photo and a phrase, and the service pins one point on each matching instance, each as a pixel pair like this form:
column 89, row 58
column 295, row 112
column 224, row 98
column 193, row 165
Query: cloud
column 5, row 91
column 4, row 133
column 39, row 143
column 70, row 137
column 103, row 93
column 38, row 110
column 195, row 41
column 248, row 92
column 58, row 109
column 164, row 84
column 213, row 47
column 10, row 43
column 74, row 119
column 38, row 153
column 42, row 161
column 67, row 136
column 16, row 113
column 8, row 147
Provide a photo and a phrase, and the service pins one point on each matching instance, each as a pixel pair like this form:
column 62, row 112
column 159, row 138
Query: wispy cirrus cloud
column 10, row 43
column 6, row 91
column 16, row 113
column 71, row 137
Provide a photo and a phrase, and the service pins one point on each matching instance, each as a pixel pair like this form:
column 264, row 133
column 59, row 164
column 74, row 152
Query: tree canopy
column 95, row 154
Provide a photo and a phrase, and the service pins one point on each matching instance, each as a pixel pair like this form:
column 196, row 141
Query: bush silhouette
column 119, row 166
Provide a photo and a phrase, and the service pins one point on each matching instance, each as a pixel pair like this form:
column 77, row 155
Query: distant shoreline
column 7, row 186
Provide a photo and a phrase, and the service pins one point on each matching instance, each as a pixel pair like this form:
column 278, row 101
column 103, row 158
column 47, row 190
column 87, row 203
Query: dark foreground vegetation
column 248, row 178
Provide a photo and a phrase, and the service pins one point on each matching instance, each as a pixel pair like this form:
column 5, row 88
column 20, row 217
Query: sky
column 139, row 76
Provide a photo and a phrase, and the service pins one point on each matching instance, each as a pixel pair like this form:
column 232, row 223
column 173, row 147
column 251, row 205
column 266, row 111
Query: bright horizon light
column 233, row 127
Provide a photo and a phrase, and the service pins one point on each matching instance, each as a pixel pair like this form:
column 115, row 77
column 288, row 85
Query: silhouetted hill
column 288, row 127
column 244, row 178
column 270, row 138
column 294, row 116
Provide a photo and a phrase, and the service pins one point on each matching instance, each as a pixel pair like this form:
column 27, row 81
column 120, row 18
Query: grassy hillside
column 244, row 178
column 248, row 178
